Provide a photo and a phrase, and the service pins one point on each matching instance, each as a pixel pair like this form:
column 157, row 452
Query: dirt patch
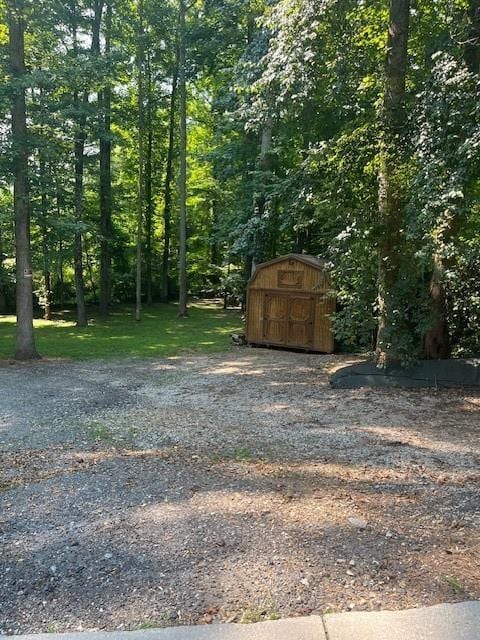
column 232, row 487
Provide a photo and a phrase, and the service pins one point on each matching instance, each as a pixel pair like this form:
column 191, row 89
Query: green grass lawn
column 160, row 333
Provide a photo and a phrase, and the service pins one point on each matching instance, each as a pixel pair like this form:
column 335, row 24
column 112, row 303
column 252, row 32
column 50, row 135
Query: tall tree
column 81, row 106
column 182, row 187
column 47, row 287
column 141, row 159
column 79, row 146
column 167, row 197
column 149, row 206
column 104, row 102
column 264, row 166
column 391, row 196
column 25, row 340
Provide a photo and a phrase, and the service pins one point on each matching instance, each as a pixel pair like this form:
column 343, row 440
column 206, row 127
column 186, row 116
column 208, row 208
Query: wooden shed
column 288, row 304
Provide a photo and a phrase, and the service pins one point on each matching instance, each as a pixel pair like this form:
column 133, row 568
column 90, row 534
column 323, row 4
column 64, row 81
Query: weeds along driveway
column 228, row 487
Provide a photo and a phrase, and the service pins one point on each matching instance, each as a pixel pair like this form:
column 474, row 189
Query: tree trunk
column 105, row 99
column 3, row 298
column 437, row 339
column 264, row 165
column 90, row 272
column 47, row 311
column 391, row 198
column 308, row 213
column 215, row 249
column 149, row 190
column 149, row 219
column 60, row 279
column 79, row 150
column 167, row 206
column 248, row 272
column 300, row 240
column 79, row 146
column 25, row 339
column 141, row 162
column 182, row 259
column 79, row 153
column 264, row 161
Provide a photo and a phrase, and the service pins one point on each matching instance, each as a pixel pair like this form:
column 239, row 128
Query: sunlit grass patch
column 160, row 333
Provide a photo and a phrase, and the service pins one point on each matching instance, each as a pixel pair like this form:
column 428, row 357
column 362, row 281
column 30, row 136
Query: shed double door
column 288, row 319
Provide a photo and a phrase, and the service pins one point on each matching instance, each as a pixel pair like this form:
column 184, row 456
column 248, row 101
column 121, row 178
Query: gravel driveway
column 240, row 486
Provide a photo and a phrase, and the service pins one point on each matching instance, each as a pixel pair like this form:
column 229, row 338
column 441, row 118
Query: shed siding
column 254, row 315
column 288, row 305
column 324, row 340
column 276, row 275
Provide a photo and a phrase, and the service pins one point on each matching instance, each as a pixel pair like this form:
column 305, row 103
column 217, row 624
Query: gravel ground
column 228, row 487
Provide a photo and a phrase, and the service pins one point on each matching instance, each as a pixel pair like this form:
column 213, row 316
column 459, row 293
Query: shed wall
column 323, row 334
column 255, row 315
column 282, row 274
column 300, row 284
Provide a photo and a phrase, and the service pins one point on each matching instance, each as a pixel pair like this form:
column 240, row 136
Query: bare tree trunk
column 167, row 207
column 47, row 311
column 60, row 280
column 141, row 162
column 25, row 339
column 78, row 150
column 90, row 271
column 264, row 164
column 3, row 298
column 105, row 99
column 248, row 272
column 149, row 219
column 79, row 146
column 79, row 153
column 225, row 291
column 47, row 314
column 149, row 190
column 391, row 198
column 215, row 249
column 182, row 258
column 300, row 245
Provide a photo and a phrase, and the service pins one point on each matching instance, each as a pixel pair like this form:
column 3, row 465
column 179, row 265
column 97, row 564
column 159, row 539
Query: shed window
column 290, row 279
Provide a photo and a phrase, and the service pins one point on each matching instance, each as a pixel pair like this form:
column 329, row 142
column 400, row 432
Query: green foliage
column 308, row 72
column 444, row 207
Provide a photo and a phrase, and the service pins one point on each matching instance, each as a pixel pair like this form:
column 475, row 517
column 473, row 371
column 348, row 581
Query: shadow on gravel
column 138, row 538
column 277, row 495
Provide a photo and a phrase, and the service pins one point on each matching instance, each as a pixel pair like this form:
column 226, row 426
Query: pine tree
column 25, row 340
column 182, row 260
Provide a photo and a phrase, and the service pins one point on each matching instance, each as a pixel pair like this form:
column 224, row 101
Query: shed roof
column 316, row 263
